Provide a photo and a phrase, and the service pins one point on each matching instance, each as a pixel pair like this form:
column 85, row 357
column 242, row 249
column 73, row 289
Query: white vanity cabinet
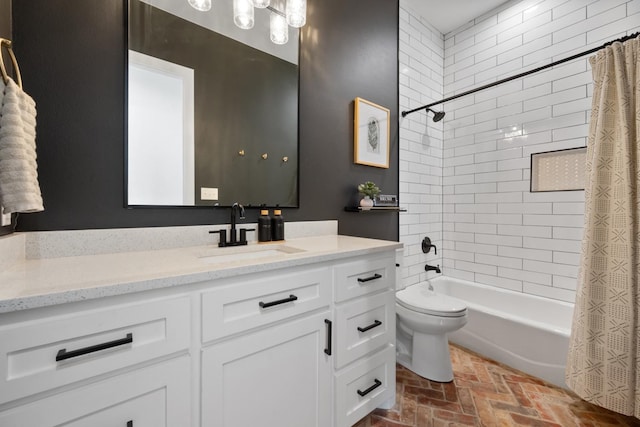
column 268, row 365
column 320, row 354
column 365, row 336
column 154, row 396
column 97, row 364
column 301, row 344
column 279, row 376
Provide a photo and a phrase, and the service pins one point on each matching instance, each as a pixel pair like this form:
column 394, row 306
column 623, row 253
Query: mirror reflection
column 212, row 109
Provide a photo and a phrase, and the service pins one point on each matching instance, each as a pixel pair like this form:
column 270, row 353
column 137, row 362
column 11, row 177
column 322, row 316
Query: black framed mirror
column 212, row 120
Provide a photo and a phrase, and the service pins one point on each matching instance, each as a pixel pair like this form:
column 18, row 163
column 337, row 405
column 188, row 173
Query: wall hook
column 241, row 153
column 264, row 156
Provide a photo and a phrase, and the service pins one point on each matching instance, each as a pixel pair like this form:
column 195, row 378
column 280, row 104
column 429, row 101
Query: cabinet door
column 364, row 325
column 156, row 396
column 364, row 276
column 48, row 352
column 280, row 376
column 269, row 298
column 364, row 385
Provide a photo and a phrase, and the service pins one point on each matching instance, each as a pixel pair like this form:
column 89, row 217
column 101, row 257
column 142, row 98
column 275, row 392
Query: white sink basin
column 242, row 253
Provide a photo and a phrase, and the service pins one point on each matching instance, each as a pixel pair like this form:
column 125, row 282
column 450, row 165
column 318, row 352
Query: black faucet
column 233, row 236
column 236, row 209
column 428, row 267
column 426, row 246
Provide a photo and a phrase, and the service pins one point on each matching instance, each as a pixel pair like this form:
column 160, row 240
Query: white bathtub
column 523, row 331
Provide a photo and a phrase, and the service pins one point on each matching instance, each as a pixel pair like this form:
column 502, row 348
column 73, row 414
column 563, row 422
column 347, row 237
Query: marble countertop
column 33, row 283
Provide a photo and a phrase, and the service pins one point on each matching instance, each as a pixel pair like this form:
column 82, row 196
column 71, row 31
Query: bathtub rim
column 552, row 328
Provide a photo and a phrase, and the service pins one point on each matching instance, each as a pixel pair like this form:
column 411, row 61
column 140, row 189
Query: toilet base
column 433, row 361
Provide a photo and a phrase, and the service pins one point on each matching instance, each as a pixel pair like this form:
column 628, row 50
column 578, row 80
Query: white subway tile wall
column 421, row 81
column 474, row 166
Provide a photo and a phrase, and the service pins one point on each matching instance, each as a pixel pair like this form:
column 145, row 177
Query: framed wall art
column 371, row 131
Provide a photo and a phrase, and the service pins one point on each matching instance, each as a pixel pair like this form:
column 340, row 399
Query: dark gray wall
column 72, row 57
column 5, row 32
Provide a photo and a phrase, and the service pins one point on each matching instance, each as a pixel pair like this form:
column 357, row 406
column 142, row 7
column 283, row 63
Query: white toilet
column 424, row 319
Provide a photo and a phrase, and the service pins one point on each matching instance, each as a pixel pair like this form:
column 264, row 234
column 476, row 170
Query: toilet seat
column 419, row 298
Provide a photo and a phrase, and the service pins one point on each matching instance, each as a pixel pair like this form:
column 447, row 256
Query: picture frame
column 371, row 134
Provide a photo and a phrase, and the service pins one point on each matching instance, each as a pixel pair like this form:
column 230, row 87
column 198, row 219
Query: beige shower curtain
column 603, row 366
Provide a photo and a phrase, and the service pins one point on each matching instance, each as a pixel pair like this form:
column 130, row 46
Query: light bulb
column 296, row 13
column 243, row 14
column 278, row 28
column 201, row 5
column 260, row 4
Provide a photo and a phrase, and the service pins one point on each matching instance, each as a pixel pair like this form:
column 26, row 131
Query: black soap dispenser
column 277, row 225
column 264, row 226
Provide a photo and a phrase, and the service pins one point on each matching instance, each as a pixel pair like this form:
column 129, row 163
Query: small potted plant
column 369, row 190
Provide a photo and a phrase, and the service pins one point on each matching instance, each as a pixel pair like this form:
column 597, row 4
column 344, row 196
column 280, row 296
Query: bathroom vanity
column 294, row 334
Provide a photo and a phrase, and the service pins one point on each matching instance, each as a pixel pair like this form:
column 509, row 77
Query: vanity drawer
column 49, row 352
column 227, row 310
column 363, row 326
column 364, row 276
column 149, row 397
column 365, row 386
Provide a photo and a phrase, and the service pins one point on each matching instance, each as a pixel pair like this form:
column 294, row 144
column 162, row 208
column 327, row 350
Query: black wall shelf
column 374, row 209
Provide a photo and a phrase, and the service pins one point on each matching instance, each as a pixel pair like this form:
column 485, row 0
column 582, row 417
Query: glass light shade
column 278, row 29
column 243, row 14
column 201, row 5
column 260, row 4
column 296, row 13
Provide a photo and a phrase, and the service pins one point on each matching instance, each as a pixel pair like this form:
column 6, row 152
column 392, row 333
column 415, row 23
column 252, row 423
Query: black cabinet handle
column 327, row 350
column 375, row 324
column 64, row 354
column 280, row 301
column 130, row 423
column 377, row 384
column 368, row 279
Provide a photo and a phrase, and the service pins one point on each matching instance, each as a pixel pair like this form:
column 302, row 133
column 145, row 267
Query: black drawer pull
column 64, row 354
column 368, row 279
column 280, row 301
column 375, row 324
column 327, row 350
column 130, row 423
column 377, row 384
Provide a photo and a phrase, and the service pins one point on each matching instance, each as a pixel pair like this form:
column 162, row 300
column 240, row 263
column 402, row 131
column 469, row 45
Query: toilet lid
column 420, row 298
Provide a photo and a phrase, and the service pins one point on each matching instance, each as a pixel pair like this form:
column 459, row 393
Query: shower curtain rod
column 526, row 73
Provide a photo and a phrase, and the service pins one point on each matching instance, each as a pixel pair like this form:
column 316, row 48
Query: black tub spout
column 428, row 268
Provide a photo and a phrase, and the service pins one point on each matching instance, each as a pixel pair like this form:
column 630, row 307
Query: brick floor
column 486, row 393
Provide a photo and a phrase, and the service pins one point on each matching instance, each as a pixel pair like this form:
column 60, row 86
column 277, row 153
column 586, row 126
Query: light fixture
column 296, row 13
column 243, row 14
column 293, row 13
column 278, row 28
column 202, row 5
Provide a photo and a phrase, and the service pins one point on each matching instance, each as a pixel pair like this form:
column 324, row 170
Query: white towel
column 19, row 187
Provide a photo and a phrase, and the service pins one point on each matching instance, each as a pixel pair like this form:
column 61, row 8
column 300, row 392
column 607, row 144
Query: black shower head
column 437, row 115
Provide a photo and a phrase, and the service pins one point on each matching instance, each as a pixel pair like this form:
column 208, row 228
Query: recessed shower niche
column 560, row 170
